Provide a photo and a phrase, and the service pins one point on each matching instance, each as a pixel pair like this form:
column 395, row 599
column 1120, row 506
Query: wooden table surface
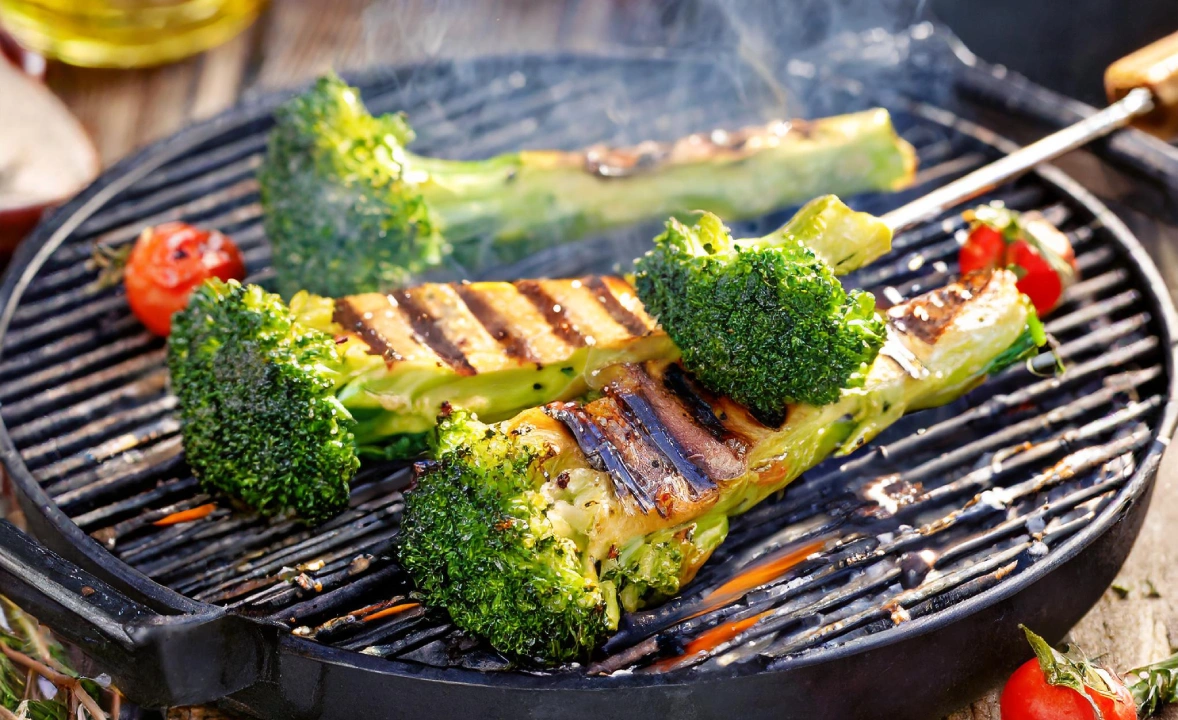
column 297, row 39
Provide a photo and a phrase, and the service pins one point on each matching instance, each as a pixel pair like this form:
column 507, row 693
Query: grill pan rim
column 52, row 231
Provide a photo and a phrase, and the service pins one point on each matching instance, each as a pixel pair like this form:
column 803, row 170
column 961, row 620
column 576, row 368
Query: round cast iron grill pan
column 91, row 444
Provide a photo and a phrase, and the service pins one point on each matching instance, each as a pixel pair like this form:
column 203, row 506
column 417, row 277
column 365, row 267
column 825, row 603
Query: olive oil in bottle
column 125, row 33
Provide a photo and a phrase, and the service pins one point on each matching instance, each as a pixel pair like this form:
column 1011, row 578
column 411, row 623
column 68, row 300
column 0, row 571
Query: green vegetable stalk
column 350, row 209
column 536, row 532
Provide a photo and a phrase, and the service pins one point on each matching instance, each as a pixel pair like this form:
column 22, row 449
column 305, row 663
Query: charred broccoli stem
column 350, row 210
column 534, row 531
column 765, row 321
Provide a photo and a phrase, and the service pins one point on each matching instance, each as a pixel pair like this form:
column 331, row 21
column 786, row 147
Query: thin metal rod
column 1137, row 103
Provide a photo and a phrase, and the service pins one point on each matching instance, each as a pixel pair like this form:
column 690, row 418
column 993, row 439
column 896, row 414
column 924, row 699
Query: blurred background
column 293, row 40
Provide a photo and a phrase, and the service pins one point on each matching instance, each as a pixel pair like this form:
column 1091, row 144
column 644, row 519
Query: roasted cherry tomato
column 1028, row 245
column 1037, row 279
column 167, row 262
column 1028, row 696
column 984, row 250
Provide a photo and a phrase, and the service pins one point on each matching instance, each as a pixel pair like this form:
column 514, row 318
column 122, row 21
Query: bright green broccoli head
column 255, row 390
column 478, row 541
column 766, row 323
column 340, row 199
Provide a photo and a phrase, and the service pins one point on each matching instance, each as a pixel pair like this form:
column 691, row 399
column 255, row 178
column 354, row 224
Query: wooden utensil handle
column 1154, row 67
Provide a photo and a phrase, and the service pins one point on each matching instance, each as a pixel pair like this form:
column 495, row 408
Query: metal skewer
column 1143, row 91
column 1136, row 104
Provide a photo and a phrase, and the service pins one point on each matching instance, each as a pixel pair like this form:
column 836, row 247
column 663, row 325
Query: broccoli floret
column 526, row 553
column 482, row 546
column 349, row 209
column 340, row 203
column 261, row 423
column 765, row 321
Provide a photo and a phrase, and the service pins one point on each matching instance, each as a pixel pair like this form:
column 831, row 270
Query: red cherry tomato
column 1028, row 696
column 985, row 249
column 1038, row 280
column 167, row 262
column 1028, row 245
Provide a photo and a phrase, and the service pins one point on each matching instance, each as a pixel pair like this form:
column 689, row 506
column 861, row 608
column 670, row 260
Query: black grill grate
column 943, row 506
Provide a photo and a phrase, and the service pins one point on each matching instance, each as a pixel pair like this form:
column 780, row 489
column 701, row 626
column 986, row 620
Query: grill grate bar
column 55, row 397
column 108, row 535
column 93, row 432
column 157, row 429
column 132, row 470
column 305, row 539
column 990, row 562
column 313, row 546
column 141, row 388
column 1113, row 386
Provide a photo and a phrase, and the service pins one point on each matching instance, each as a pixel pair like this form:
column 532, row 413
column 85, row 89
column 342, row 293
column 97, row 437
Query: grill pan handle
column 155, row 660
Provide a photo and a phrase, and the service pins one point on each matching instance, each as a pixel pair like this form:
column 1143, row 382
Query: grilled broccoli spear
column 349, row 209
column 277, row 400
column 764, row 321
column 537, row 531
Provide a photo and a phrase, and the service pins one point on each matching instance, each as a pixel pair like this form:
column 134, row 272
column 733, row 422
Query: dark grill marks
column 600, row 452
column 654, row 433
column 346, row 316
column 600, row 289
column 651, row 402
column 429, row 332
column 683, row 387
column 498, row 326
column 652, row 470
column 553, row 313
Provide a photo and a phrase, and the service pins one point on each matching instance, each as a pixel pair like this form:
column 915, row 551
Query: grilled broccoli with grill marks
column 533, row 532
column 349, row 209
column 277, row 401
column 765, row 321
column 255, row 394
column 505, row 535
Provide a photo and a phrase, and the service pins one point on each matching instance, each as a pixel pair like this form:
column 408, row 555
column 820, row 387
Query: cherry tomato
column 1028, row 696
column 167, row 262
column 1028, row 245
column 1037, row 279
column 985, row 249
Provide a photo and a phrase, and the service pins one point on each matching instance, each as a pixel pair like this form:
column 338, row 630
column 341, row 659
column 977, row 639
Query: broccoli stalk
column 765, row 321
column 349, row 209
column 534, row 532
